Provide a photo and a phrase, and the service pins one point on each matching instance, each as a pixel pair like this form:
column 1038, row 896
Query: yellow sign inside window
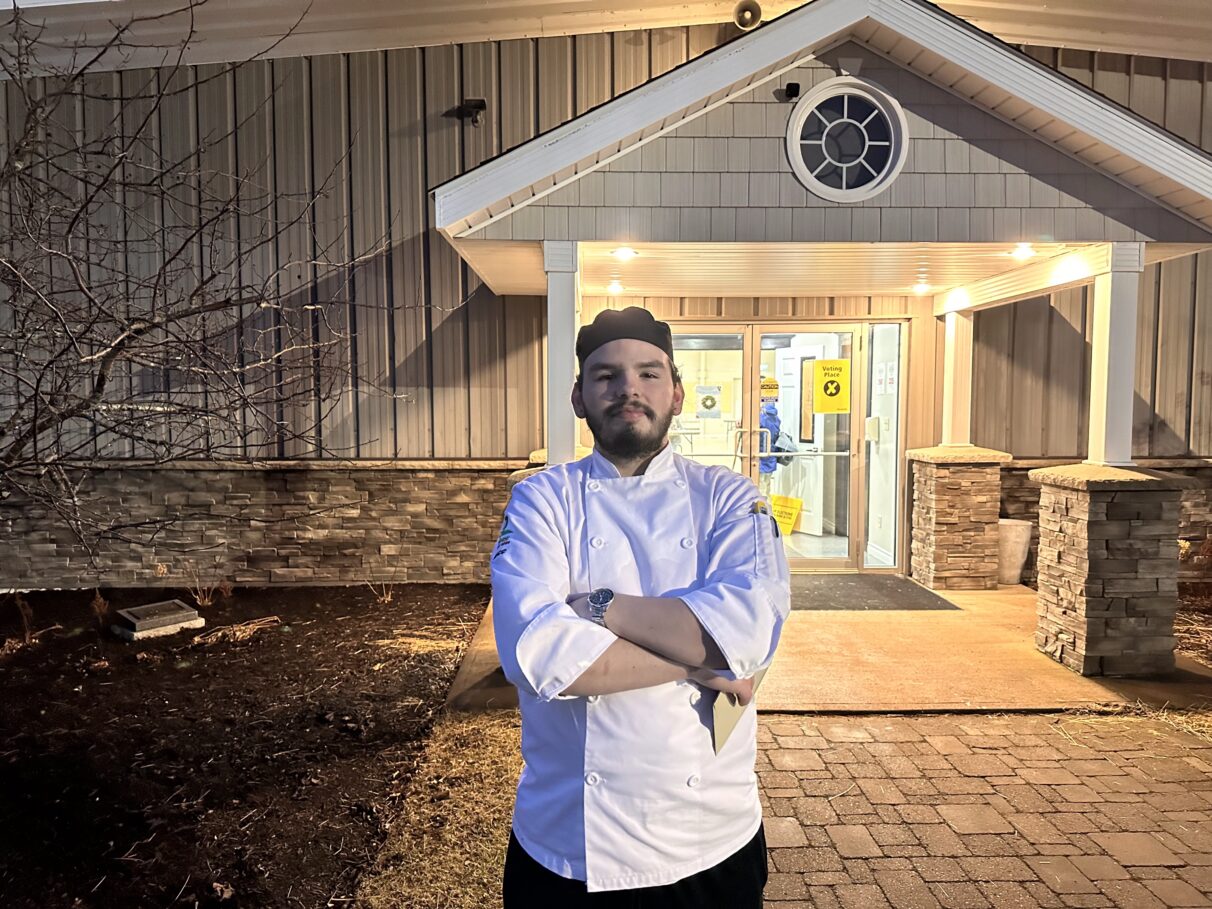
column 831, row 386
column 786, row 512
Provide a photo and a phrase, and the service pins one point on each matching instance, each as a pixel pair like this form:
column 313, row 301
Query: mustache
column 619, row 408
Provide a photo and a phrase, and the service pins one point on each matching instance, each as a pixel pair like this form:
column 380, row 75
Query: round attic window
column 846, row 140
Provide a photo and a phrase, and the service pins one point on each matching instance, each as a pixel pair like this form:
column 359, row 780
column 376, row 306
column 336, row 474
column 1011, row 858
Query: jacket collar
column 602, row 469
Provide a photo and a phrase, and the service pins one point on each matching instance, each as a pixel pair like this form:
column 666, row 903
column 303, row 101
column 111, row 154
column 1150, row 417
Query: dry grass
column 447, row 850
column 234, row 633
column 425, row 640
column 1193, row 625
column 1195, row 722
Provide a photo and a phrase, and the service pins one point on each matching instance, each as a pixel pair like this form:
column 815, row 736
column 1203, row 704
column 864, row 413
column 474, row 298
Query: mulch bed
column 262, row 769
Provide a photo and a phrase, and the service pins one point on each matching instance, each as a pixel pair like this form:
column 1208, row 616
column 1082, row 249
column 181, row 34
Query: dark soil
column 256, row 773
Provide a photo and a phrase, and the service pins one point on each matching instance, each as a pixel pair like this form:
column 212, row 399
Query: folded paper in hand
column 727, row 713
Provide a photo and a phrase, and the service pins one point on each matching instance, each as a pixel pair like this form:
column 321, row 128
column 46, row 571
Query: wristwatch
column 599, row 602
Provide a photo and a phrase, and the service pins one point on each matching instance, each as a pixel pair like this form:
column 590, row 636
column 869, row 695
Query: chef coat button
column 593, row 699
column 695, row 697
column 693, row 781
column 597, row 542
column 680, row 484
column 594, row 485
column 687, row 543
column 592, row 779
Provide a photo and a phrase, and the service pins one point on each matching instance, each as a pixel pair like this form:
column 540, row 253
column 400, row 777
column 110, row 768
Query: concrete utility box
column 156, row 620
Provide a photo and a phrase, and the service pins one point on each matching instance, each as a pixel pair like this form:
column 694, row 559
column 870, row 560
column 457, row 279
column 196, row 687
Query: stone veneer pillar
column 1108, row 568
column 956, row 503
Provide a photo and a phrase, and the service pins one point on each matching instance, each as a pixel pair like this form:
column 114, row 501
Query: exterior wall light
column 472, row 108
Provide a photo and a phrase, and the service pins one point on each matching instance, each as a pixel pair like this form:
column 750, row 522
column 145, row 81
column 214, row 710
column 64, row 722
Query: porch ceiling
column 760, row 269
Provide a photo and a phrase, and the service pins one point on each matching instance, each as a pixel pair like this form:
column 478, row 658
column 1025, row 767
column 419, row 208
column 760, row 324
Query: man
column 629, row 588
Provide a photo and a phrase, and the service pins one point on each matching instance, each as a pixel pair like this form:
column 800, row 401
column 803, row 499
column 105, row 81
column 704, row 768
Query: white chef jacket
column 625, row 790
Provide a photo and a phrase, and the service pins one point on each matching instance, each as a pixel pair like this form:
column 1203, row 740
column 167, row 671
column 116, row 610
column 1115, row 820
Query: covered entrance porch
column 880, row 163
column 757, row 325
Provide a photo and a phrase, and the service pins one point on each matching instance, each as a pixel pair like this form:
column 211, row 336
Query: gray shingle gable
column 724, row 176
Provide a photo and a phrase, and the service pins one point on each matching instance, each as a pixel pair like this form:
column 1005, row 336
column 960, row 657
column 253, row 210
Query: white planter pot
column 1013, row 545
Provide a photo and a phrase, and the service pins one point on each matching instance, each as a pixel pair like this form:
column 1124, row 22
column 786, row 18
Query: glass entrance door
column 810, row 412
column 805, row 444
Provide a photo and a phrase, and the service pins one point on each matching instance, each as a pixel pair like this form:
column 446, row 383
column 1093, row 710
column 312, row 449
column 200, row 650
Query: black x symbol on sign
column 832, row 387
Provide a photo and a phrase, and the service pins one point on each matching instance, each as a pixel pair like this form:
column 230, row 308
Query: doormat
column 861, row 592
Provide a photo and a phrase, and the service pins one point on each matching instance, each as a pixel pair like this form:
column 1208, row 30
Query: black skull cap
column 613, row 324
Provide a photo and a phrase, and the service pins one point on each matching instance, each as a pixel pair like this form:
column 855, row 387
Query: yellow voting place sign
column 831, row 386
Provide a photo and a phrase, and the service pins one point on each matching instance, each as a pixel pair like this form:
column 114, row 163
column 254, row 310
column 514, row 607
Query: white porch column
column 1113, row 356
column 560, row 261
column 957, row 379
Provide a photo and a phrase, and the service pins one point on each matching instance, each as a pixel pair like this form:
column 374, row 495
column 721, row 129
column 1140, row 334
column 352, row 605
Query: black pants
column 735, row 883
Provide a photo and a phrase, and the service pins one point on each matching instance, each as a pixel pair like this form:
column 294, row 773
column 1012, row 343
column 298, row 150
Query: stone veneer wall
column 1020, row 499
column 1108, row 566
column 280, row 523
column 954, row 543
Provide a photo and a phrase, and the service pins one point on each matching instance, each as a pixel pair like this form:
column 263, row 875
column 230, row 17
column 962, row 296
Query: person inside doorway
column 768, row 420
column 630, row 588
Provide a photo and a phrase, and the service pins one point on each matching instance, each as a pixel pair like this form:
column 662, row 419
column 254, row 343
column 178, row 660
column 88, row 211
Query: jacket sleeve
column 746, row 591
column 543, row 645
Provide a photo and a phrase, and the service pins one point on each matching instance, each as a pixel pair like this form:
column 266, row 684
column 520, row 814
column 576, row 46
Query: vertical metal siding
column 1175, row 321
column 486, row 311
column 330, row 179
column 593, row 70
column 292, row 177
column 447, row 314
column 443, row 368
column 992, row 353
column 254, row 99
column 409, row 278
column 373, row 313
column 1032, row 369
column 179, row 144
column 1028, row 376
column 105, row 227
column 1200, row 432
column 1145, row 362
column 1064, row 391
column 1175, row 94
column 141, row 228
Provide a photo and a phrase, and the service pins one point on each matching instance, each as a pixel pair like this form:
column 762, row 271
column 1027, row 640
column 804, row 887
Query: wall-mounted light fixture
column 472, row 108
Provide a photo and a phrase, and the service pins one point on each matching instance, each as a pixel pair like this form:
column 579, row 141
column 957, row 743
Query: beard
column 629, row 441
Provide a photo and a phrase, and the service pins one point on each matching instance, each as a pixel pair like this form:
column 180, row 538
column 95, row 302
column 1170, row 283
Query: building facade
column 877, row 228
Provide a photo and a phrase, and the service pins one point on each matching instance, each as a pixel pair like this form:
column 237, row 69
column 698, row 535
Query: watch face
column 601, row 597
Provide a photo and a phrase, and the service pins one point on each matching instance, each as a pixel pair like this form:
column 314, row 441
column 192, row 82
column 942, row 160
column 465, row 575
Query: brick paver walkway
column 976, row 811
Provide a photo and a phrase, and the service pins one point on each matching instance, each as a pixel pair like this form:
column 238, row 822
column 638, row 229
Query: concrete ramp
column 979, row 656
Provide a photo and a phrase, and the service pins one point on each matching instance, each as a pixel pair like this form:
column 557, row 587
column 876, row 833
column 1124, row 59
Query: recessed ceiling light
column 920, row 289
column 624, row 253
column 614, row 288
column 1023, row 251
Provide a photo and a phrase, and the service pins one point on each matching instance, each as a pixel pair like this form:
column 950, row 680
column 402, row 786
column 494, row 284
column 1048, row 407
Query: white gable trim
column 1043, row 89
column 1180, row 174
column 693, row 85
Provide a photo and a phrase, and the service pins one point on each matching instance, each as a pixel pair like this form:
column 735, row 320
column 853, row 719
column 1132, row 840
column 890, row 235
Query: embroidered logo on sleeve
column 503, row 540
